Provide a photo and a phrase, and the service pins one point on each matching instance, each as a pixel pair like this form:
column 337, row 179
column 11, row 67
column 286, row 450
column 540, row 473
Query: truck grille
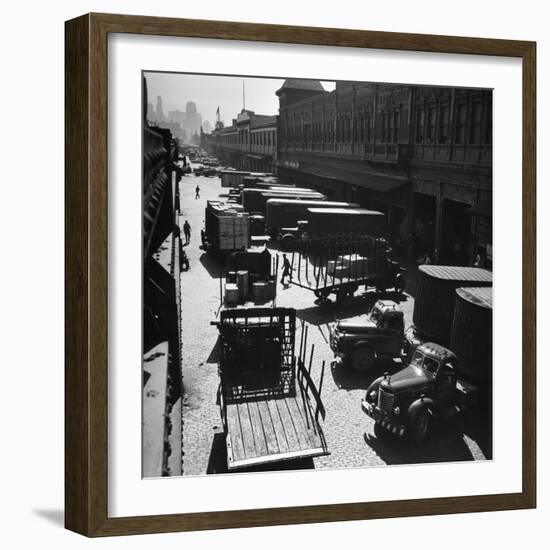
column 385, row 401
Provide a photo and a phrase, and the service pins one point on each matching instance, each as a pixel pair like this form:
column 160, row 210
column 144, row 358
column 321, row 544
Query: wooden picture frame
column 86, row 280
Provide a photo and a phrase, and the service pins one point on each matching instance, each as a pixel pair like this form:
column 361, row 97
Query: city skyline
column 209, row 92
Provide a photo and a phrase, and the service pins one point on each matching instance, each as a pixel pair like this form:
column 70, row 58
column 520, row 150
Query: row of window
column 472, row 123
column 347, row 130
column 432, row 125
column 266, row 138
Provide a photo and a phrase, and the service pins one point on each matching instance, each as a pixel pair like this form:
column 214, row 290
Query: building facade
column 250, row 143
column 422, row 155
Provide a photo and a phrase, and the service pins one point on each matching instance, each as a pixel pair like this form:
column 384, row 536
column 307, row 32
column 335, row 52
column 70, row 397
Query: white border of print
column 129, row 495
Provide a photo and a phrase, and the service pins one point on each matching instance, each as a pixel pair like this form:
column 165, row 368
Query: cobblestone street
column 348, row 431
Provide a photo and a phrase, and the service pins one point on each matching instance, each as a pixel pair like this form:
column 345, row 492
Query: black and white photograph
column 317, row 274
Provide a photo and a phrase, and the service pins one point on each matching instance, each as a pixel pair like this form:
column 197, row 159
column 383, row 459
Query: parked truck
column 430, row 388
column 320, row 222
column 269, row 404
column 360, row 342
column 434, row 303
column 286, row 213
column 340, row 264
column 254, row 200
column 440, row 383
column 232, row 178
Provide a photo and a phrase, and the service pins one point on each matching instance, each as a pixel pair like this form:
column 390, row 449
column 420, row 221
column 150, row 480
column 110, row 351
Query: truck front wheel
column 344, row 297
column 287, row 242
column 362, row 358
column 419, row 425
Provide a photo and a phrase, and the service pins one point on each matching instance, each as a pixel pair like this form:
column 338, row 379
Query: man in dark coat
column 287, row 269
column 187, row 231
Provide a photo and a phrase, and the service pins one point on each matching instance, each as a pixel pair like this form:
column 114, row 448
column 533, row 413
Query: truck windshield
column 375, row 315
column 420, row 360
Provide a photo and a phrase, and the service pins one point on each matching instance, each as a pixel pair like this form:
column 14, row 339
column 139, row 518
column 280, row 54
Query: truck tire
column 344, row 297
column 288, row 242
column 399, row 285
column 321, row 295
column 380, row 432
column 362, row 358
column 419, row 423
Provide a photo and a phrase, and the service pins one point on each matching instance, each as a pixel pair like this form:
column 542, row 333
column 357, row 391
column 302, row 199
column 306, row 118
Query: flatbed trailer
column 269, row 404
column 340, row 264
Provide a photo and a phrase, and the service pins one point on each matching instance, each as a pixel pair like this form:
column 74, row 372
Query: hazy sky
column 209, row 92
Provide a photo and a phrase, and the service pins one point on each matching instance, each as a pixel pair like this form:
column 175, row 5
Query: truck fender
column 419, row 405
column 362, row 343
column 288, row 241
column 374, row 386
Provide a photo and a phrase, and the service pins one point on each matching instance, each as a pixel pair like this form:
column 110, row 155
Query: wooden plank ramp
column 271, row 430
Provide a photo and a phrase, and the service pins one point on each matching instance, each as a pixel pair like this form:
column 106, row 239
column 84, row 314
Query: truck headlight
column 396, row 411
column 373, row 395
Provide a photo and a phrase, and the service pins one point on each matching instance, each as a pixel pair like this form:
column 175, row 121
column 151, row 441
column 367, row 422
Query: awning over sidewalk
column 376, row 181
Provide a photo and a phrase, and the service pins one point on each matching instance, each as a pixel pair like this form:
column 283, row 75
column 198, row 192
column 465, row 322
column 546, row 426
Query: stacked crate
column 227, row 226
column 370, row 263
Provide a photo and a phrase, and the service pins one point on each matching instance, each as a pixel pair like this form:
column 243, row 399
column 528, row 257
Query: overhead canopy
column 257, row 157
column 375, row 181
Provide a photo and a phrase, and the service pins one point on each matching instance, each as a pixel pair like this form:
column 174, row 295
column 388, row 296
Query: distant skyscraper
column 193, row 119
column 160, row 112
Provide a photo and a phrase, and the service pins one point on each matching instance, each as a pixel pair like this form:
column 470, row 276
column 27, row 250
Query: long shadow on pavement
column 327, row 312
column 213, row 265
column 445, row 443
column 346, row 378
column 214, row 355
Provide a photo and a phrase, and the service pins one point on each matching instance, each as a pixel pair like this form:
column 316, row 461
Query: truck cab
column 379, row 333
column 406, row 402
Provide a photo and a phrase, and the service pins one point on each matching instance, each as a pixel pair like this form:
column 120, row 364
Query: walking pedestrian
column 287, row 270
column 197, row 192
column 187, row 231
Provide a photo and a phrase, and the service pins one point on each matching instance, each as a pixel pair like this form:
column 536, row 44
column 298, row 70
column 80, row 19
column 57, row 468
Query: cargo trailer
column 232, row 178
column 434, row 304
column 326, row 222
column 270, row 406
column 286, row 213
column 254, row 200
column 340, row 264
column 472, row 331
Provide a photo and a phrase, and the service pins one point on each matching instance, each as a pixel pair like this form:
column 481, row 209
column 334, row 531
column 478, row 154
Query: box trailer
column 472, row 332
column 254, row 200
column 232, row 178
column 434, row 303
column 269, row 404
column 281, row 213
